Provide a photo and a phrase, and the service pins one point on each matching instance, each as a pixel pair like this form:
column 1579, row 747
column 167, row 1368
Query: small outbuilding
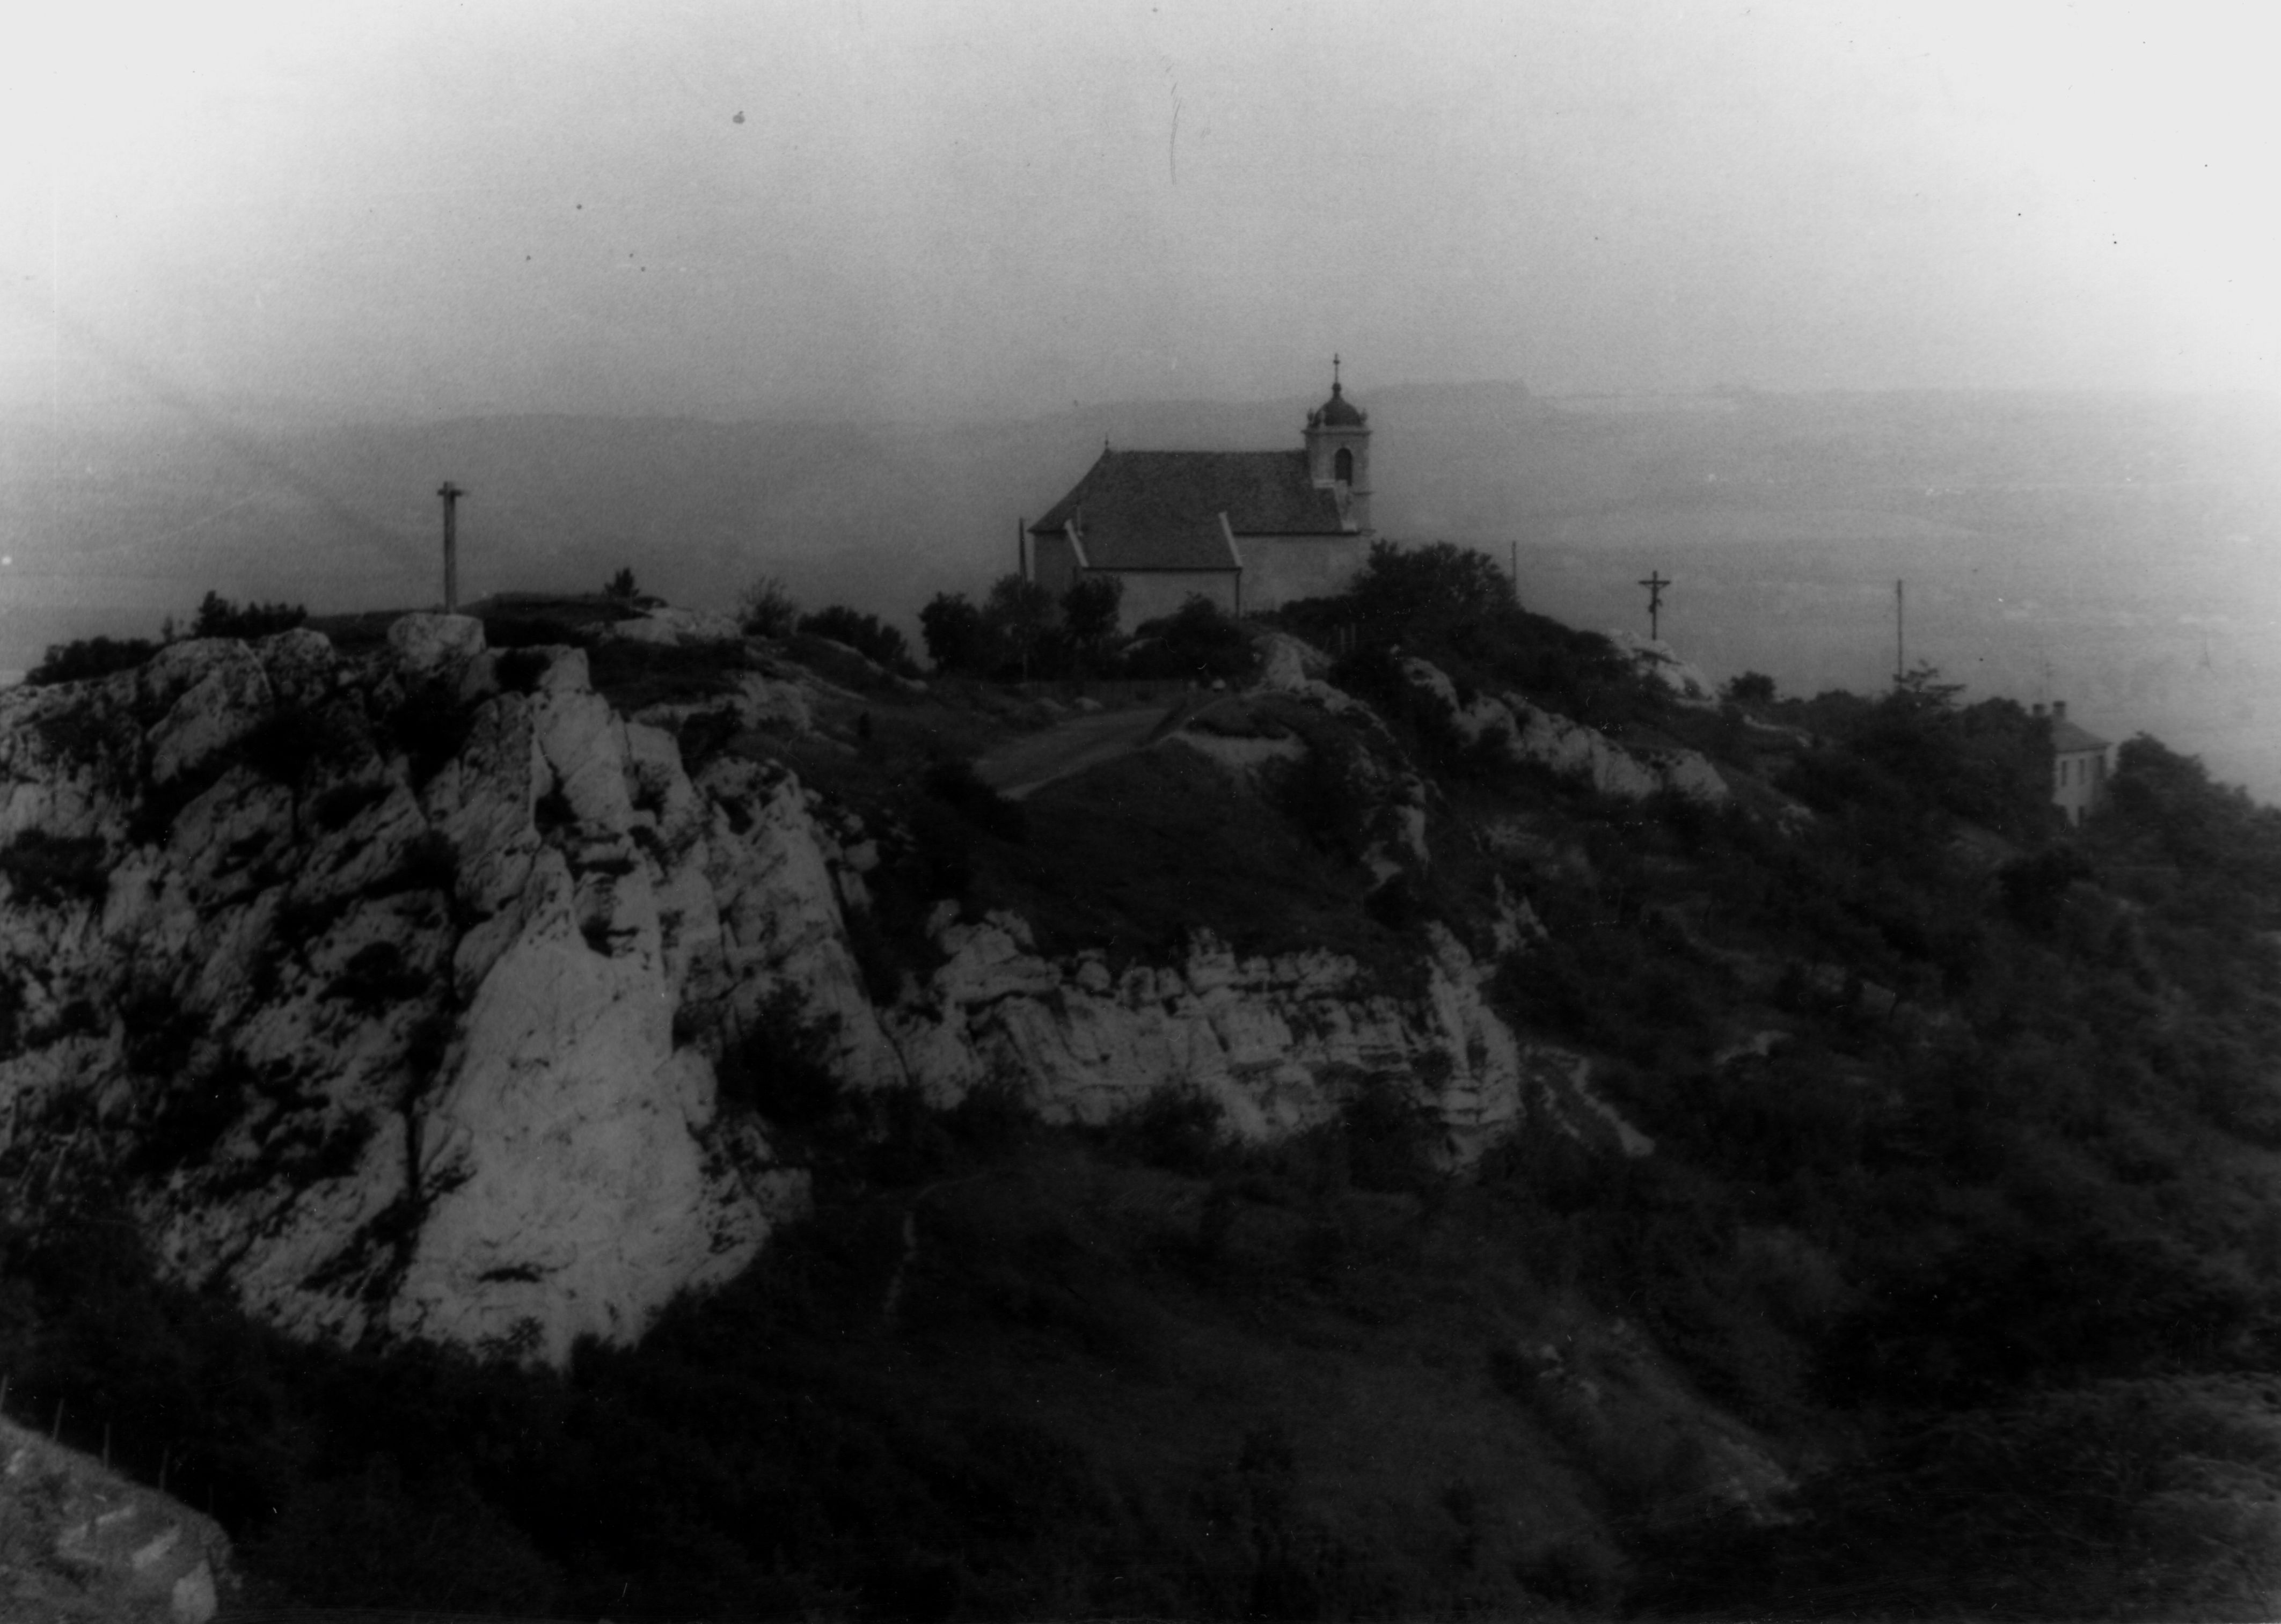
column 2078, row 765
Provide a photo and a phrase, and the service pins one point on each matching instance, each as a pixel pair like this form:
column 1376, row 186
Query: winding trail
column 1016, row 768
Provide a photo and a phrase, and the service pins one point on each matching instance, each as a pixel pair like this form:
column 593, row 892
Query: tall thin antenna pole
column 451, row 493
column 1022, row 548
column 1900, row 632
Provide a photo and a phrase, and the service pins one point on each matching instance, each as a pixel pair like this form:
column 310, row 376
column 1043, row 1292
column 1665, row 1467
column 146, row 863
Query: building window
column 1342, row 466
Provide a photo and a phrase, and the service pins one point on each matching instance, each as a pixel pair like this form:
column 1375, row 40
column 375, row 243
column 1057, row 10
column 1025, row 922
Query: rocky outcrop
column 376, row 977
column 1656, row 660
column 1279, row 1044
column 663, row 623
column 394, row 992
column 84, row 1542
column 1528, row 733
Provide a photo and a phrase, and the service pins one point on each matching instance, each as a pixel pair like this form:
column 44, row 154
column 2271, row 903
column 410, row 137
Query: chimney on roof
column 2059, row 710
column 2035, row 710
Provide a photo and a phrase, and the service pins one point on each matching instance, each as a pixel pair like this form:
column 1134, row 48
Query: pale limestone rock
column 1279, row 1044
column 1655, row 660
column 566, row 1182
column 585, row 743
column 427, row 644
column 301, row 665
column 667, row 624
column 1527, row 732
column 780, row 926
column 191, row 1599
column 218, row 692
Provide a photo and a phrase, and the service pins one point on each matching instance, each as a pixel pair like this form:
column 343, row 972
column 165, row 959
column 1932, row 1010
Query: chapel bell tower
column 1338, row 453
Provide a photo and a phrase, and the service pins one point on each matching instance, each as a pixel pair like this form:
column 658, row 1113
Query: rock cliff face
column 389, row 993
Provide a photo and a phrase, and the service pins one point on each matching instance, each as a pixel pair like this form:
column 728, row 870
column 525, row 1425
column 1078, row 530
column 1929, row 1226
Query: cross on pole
column 1655, row 584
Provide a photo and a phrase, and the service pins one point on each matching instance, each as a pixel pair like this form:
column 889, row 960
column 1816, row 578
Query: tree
column 1405, row 594
column 218, row 617
column 1751, row 688
column 957, row 640
column 881, row 644
column 621, row 587
column 1089, row 613
column 1195, row 643
column 72, row 662
column 1021, row 612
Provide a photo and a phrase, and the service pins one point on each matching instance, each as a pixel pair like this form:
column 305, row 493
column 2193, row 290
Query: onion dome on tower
column 1338, row 453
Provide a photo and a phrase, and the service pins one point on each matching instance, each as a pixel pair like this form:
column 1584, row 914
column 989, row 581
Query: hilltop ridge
column 1470, row 1124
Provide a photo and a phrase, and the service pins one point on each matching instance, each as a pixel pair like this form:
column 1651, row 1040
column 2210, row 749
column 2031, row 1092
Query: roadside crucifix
column 1655, row 584
column 451, row 493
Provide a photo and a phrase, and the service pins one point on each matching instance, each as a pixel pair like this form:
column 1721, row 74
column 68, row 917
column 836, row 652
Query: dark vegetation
column 1021, row 632
column 1967, row 1130
column 87, row 657
column 218, row 617
column 879, row 643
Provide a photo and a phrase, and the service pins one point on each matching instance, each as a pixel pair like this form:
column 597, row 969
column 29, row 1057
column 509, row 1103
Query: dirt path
column 1015, row 770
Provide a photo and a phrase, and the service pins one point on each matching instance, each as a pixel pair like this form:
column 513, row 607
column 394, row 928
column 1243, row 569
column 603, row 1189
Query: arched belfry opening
column 1342, row 466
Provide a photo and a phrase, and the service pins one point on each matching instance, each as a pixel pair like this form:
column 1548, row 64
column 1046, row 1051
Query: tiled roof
column 1161, row 509
column 2067, row 736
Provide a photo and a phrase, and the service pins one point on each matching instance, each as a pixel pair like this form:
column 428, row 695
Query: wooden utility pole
column 451, row 493
column 1900, row 631
column 1022, row 548
column 1655, row 584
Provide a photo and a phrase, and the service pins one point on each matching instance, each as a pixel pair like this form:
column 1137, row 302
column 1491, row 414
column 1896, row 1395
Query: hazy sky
column 880, row 208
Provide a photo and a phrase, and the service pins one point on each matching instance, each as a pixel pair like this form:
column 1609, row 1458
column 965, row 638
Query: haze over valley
column 2106, row 549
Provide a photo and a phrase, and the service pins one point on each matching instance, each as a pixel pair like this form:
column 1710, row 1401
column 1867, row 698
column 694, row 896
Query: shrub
column 90, row 657
column 47, row 870
column 376, row 978
column 779, row 1068
column 1389, row 1139
column 956, row 785
column 429, row 727
column 342, row 804
column 192, row 1118
column 431, row 862
column 879, row 643
column 519, row 669
column 161, row 1034
column 1195, row 643
column 1179, row 1130
column 766, row 609
column 284, row 745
